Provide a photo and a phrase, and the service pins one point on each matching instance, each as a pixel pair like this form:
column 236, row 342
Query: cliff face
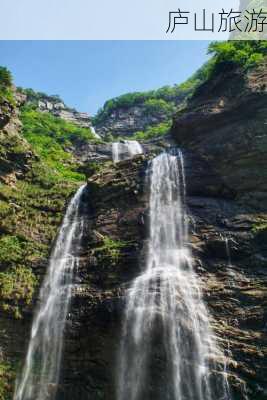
column 126, row 121
column 225, row 123
column 224, row 127
column 55, row 106
column 112, row 256
column 222, row 134
column 229, row 257
column 139, row 111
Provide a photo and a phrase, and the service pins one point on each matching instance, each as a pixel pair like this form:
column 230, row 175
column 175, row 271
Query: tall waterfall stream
column 40, row 374
column 166, row 325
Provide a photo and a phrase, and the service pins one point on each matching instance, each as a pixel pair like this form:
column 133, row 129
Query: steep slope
column 224, row 127
column 229, row 258
column 225, row 122
column 32, row 202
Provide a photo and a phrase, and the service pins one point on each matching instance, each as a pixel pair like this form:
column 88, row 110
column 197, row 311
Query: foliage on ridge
column 53, row 138
column 246, row 54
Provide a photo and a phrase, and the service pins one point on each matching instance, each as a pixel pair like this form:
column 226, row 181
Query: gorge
column 182, row 276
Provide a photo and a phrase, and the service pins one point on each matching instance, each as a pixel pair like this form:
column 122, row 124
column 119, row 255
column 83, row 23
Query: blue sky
column 87, row 73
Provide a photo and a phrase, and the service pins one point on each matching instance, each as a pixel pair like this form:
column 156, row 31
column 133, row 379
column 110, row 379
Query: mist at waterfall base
column 125, row 150
column 168, row 349
column 41, row 370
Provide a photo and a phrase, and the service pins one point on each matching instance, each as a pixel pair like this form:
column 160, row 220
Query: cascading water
column 94, row 132
column 126, row 149
column 168, row 349
column 41, row 370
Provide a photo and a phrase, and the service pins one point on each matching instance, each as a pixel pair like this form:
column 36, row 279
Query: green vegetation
column 17, row 282
column 31, row 212
column 153, row 131
column 52, row 138
column 162, row 100
column 6, row 381
column 34, row 96
column 111, row 248
column 156, row 106
column 246, row 54
column 10, row 249
column 6, row 92
column 17, row 287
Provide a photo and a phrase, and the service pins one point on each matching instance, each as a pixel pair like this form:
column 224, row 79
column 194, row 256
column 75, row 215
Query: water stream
column 126, row 149
column 41, row 370
column 168, row 349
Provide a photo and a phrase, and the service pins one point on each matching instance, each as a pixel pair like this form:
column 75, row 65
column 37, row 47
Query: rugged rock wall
column 113, row 255
column 224, row 126
column 125, row 121
column 225, row 123
column 55, row 106
column 234, row 288
column 222, row 133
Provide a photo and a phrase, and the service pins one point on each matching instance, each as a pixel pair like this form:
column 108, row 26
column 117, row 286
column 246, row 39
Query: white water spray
column 126, row 149
column 40, row 374
column 168, row 349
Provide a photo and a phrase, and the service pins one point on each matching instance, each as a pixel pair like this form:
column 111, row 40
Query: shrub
column 51, row 138
column 153, row 132
column 6, row 92
column 156, row 106
column 16, row 289
column 246, row 54
column 7, row 377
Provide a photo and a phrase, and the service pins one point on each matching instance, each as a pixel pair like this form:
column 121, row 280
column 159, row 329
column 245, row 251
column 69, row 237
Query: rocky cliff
column 229, row 251
column 56, row 106
column 225, row 123
column 224, row 127
column 131, row 113
column 222, row 134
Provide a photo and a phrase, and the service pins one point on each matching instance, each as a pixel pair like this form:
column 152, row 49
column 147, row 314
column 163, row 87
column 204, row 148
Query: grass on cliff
column 52, row 139
column 153, row 131
column 30, row 212
column 110, row 248
column 31, row 208
column 7, row 377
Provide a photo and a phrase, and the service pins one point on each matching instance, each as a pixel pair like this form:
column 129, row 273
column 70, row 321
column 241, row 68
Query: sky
column 87, row 73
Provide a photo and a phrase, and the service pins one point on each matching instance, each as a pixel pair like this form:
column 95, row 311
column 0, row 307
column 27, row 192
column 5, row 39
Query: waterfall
column 94, row 132
column 40, row 374
column 168, row 349
column 126, row 149
column 230, row 271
